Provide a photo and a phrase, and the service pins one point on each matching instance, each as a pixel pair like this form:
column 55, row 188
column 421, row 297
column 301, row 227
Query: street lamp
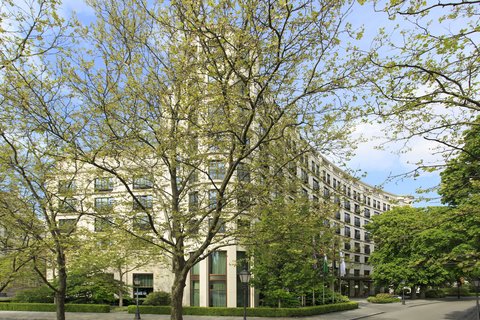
column 476, row 283
column 136, row 284
column 244, row 276
column 403, row 292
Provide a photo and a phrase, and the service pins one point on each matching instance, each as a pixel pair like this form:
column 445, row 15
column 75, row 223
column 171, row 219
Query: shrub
column 454, row 291
column 158, row 298
column 41, row 294
column 434, row 293
column 383, row 298
column 252, row 312
column 51, row 307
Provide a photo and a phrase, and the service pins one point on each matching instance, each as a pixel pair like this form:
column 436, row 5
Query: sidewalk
column 365, row 310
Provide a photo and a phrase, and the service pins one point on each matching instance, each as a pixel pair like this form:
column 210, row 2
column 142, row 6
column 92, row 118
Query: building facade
column 214, row 280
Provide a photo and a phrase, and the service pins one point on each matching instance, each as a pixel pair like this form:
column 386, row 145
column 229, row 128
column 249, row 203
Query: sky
column 385, row 168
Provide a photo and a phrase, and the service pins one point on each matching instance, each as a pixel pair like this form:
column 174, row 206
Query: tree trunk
column 62, row 286
column 178, row 288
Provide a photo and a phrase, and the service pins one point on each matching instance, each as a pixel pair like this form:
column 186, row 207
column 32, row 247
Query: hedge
column 252, row 312
column 98, row 308
column 383, row 298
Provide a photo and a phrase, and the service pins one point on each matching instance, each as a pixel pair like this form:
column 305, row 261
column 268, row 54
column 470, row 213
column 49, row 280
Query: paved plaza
column 451, row 309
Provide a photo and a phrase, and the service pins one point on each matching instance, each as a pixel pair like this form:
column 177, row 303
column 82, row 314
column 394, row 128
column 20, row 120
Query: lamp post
column 244, row 276
column 136, row 284
column 476, row 283
column 403, row 292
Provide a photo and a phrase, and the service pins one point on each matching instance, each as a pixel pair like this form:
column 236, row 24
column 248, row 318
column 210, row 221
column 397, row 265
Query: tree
column 31, row 110
column 425, row 77
column 195, row 94
column 287, row 246
column 414, row 245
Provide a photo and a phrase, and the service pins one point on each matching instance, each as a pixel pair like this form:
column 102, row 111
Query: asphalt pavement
column 451, row 309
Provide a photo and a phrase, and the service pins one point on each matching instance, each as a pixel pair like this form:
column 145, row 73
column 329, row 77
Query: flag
column 325, row 264
column 343, row 267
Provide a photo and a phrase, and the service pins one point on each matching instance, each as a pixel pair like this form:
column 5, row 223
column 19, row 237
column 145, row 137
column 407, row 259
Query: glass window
column 143, row 182
column 347, row 232
column 145, row 286
column 212, row 199
column 346, row 217
column 143, row 202
column 103, row 204
column 195, row 285
column 216, row 170
column 243, row 173
column 67, row 225
column 193, row 201
column 217, row 279
column 357, row 234
column 141, row 222
column 242, row 263
column 103, row 184
column 357, row 221
column 68, row 205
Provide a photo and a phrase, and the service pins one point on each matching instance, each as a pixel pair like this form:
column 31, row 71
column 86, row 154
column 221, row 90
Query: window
column 384, row 207
column 305, row 193
column 103, row 184
column 326, row 192
column 365, row 260
column 346, row 217
column 356, row 272
column 367, row 249
column 193, row 201
column 217, row 265
column 356, row 208
column 334, row 183
column 304, row 175
column 336, row 200
column 143, row 203
column 212, row 199
column 102, row 223
column 143, row 182
column 315, row 185
column 338, row 215
column 243, row 200
column 366, row 272
column 367, row 213
column 347, row 246
column 68, row 205
column 349, row 192
column 141, row 221
column 216, row 170
column 145, row 286
column 195, row 285
column 357, row 258
column 66, row 186
column 328, row 179
column 67, row 225
column 357, row 222
column 103, row 204
column 347, row 232
column 242, row 263
column 357, row 234
column 346, row 204
column 357, row 247
column 243, row 173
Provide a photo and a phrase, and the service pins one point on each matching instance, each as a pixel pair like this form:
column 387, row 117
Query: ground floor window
column 145, row 284
column 195, row 285
column 242, row 263
column 217, row 276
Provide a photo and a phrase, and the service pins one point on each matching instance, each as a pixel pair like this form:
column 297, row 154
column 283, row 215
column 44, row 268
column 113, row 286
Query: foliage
column 425, row 79
column 383, row 298
column 97, row 288
column 434, row 293
column 288, row 251
column 51, row 307
column 41, row 294
column 157, row 298
column 455, row 291
column 251, row 312
column 411, row 244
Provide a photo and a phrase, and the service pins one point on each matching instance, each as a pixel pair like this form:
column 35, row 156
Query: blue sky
column 378, row 165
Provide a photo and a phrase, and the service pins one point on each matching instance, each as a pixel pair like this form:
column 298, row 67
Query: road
column 449, row 309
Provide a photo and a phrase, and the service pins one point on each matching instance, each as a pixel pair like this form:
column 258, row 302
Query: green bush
column 252, row 312
column 383, row 298
column 434, row 293
column 41, row 294
column 157, row 298
column 454, row 291
column 51, row 307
